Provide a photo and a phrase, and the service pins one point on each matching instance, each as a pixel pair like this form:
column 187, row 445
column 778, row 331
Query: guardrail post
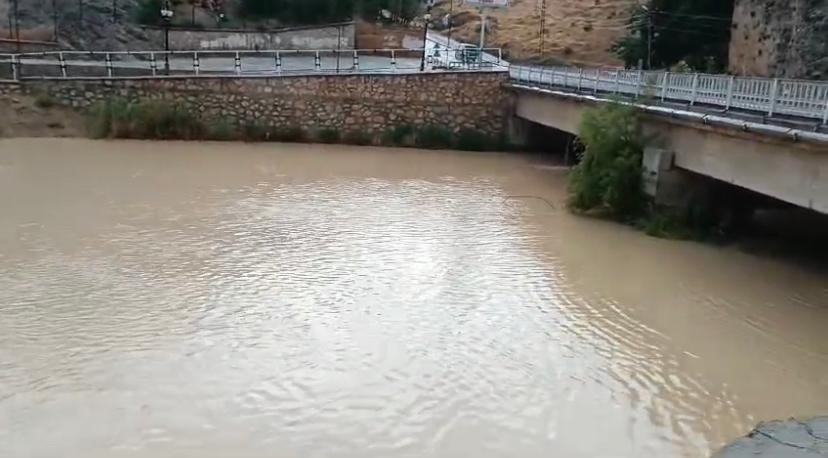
column 617, row 81
column 393, row 61
column 153, row 64
column 695, row 89
column 730, row 87
column 108, row 60
column 237, row 63
column 773, row 96
column 15, row 64
column 278, row 62
column 317, row 62
column 62, row 64
column 580, row 77
column 196, row 65
column 664, row 84
column 356, row 61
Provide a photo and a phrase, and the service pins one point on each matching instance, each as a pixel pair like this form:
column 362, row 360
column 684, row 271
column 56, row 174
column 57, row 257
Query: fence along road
column 768, row 96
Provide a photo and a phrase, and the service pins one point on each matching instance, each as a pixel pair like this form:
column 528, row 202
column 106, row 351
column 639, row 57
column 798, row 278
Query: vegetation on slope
column 692, row 32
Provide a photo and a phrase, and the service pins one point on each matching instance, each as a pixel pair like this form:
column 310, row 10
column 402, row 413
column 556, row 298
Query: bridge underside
column 794, row 172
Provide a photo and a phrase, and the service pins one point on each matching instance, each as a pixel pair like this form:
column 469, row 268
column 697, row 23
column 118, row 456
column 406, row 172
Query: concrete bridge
column 764, row 135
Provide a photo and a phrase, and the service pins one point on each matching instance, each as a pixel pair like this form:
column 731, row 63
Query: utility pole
column 649, row 37
column 542, row 31
column 426, row 18
column 17, row 24
column 450, row 21
column 54, row 20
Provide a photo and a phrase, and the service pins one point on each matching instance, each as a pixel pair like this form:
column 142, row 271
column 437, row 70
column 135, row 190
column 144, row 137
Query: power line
column 698, row 16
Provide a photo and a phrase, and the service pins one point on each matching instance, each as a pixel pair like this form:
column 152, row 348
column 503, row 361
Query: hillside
column 92, row 26
column 580, row 31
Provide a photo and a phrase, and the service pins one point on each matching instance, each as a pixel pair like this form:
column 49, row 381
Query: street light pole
column 427, row 18
column 166, row 18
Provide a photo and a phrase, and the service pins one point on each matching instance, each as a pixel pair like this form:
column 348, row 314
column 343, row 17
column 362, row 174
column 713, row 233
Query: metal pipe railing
column 769, row 96
column 240, row 63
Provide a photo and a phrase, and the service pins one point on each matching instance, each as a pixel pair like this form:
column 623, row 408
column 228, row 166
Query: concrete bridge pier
column 699, row 199
column 666, row 184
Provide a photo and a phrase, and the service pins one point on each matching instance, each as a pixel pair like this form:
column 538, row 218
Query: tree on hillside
column 667, row 32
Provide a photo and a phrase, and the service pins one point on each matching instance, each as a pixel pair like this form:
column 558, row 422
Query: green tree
column 696, row 32
column 609, row 174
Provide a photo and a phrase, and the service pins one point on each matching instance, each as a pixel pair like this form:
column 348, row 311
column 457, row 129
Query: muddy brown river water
column 231, row 300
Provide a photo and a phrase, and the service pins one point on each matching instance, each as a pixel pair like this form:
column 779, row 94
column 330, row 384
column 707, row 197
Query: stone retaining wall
column 371, row 104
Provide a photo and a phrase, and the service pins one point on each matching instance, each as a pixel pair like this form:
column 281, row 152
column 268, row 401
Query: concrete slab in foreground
column 782, row 439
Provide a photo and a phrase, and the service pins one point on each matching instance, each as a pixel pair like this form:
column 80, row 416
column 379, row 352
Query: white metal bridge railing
column 770, row 96
column 127, row 64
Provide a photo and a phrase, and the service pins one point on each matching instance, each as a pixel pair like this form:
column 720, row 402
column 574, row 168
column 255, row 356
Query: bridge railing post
column 773, row 96
column 825, row 113
column 695, row 89
column 730, row 87
column 665, row 85
column 597, row 79
column 617, row 81
column 580, row 77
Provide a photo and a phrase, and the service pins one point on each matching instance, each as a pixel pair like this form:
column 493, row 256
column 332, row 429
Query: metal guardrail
column 769, row 96
column 239, row 63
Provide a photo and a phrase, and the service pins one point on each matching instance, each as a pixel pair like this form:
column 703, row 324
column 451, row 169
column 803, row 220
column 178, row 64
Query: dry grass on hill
column 577, row 31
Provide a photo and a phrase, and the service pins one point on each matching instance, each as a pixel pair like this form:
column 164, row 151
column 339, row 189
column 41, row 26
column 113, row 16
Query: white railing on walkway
column 770, row 96
column 126, row 64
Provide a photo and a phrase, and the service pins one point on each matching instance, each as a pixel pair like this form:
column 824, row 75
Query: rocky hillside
column 89, row 24
column 579, row 31
column 784, row 39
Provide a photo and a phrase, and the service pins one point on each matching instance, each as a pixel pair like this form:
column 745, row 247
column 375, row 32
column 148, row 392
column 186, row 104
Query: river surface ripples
column 217, row 300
